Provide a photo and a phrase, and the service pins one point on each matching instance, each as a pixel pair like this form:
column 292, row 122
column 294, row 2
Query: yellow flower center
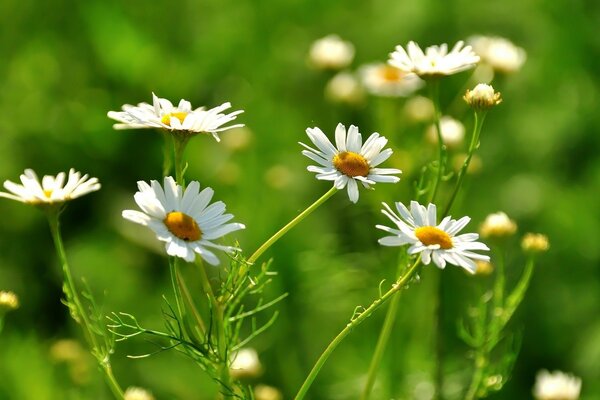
column 166, row 119
column 351, row 164
column 430, row 235
column 391, row 74
column 48, row 193
column 183, row 226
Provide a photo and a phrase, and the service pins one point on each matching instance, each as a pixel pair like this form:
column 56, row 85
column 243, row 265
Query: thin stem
column 167, row 153
column 290, row 225
column 480, row 364
column 439, row 338
column 74, row 300
column 479, row 118
column 399, row 284
column 179, row 144
column 434, row 94
column 384, row 337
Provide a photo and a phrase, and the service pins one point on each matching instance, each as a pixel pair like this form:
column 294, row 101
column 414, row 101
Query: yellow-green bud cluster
column 535, row 243
column 8, row 301
column 482, row 97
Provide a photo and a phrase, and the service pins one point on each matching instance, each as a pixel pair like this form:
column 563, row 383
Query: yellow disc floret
column 166, row 119
column 183, row 226
column 430, row 235
column 391, row 74
column 351, row 164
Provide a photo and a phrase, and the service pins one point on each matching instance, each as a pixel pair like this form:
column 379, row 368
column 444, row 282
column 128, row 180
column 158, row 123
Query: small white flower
column 499, row 53
column 497, row 225
column 453, row 132
column 51, row 190
column 163, row 115
column 352, row 161
column 245, row 364
column 556, row 386
column 331, row 52
column 344, row 87
column 435, row 61
column 438, row 242
column 385, row 80
column 184, row 220
column 137, row 393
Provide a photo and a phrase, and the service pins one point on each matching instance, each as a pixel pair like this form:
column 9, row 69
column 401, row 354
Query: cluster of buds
column 482, row 97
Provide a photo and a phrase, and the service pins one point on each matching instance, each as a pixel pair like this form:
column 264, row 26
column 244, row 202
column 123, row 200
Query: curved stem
column 479, row 118
column 434, row 94
column 73, row 300
column 399, row 284
column 384, row 337
column 290, row 225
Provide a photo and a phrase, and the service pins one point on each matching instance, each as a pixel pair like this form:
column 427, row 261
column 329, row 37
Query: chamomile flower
column 384, row 80
column 435, row 60
column 556, row 386
column 418, row 227
column 181, row 119
column 51, row 189
column 351, row 162
column 183, row 219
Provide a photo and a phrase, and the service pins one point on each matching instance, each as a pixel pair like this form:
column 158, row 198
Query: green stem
column 480, row 364
column 479, row 118
column 439, row 338
column 219, row 322
column 179, row 144
column 399, row 284
column 167, row 153
column 290, row 225
column 384, row 337
column 434, row 94
column 74, row 300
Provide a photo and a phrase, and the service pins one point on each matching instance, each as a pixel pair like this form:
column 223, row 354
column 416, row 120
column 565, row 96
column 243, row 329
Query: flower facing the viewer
column 51, row 189
column 556, row 386
column 435, row 60
column 163, row 115
column 351, row 161
column 438, row 242
column 183, row 219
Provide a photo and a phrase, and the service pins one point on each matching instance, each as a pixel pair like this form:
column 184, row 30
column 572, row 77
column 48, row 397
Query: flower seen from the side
column 184, row 220
column 137, row 393
column 162, row 114
column 497, row 225
column 482, row 97
column 385, row 80
column 435, row 60
column 349, row 162
column 51, row 189
column 418, row 228
column 331, row 52
column 556, row 386
column 499, row 53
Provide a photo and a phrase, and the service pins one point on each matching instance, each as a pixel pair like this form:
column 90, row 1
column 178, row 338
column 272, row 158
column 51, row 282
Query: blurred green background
column 66, row 63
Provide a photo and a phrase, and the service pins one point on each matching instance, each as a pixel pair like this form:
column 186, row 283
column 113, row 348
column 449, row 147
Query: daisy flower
column 500, row 53
column 331, row 52
column 51, row 190
column 163, row 115
column 556, row 386
column 438, row 242
column 384, row 80
column 435, row 61
column 352, row 161
column 183, row 219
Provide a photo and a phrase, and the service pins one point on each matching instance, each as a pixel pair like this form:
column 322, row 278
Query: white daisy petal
column 352, row 190
column 184, row 220
column 435, row 61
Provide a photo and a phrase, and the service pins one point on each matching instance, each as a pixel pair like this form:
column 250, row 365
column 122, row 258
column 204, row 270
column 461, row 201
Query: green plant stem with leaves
column 290, row 225
column 354, row 322
column 76, row 308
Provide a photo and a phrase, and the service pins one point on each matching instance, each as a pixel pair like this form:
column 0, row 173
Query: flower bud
column 535, row 243
column 137, row 393
column 265, row 392
column 556, row 386
column 482, row 97
column 331, row 52
column 483, row 268
column 8, row 301
column 497, row 225
column 245, row 364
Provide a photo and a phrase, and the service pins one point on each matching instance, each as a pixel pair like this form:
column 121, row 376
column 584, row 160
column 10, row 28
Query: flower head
column 183, row 219
column 482, row 97
column 331, row 52
column 351, row 161
column 499, row 53
column 438, row 242
column 435, row 61
column 385, row 80
column 535, row 243
column 556, row 386
column 245, row 364
column 181, row 119
column 497, row 225
column 8, row 301
column 51, row 190
column 344, row 87
column 137, row 393
column 265, row 392
column 453, row 132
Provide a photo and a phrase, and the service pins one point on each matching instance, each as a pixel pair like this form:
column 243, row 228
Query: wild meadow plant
column 215, row 327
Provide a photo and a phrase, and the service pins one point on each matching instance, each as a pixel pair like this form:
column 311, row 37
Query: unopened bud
column 482, row 97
